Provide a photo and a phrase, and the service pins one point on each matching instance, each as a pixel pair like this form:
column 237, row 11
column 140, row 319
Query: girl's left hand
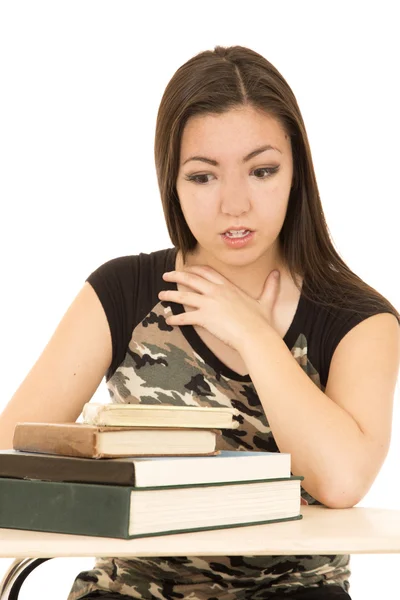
column 223, row 309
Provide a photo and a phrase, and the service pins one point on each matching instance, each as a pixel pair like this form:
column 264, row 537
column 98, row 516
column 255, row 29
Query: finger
column 186, row 318
column 191, row 280
column 186, row 298
column 207, row 273
column 271, row 289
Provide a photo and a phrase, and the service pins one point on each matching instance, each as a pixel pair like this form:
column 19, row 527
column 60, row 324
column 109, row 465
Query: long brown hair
column 215, row 81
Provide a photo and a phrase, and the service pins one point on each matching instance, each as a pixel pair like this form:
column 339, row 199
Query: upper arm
column 68, row 371
column 362, row 380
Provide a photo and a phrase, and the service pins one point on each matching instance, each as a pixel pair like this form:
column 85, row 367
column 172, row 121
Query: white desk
column 321, row 531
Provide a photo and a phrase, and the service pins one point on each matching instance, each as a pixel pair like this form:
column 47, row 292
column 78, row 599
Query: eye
column 195, row 178
column 269, row 170
column 201, row 179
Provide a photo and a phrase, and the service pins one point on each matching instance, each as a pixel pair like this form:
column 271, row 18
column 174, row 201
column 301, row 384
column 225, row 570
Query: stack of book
column 131, row 471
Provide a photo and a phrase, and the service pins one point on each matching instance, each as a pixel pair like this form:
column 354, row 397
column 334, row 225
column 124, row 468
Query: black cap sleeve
column 115, row 283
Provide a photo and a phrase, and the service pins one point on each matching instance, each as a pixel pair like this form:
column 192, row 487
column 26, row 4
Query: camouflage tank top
column 154, row 363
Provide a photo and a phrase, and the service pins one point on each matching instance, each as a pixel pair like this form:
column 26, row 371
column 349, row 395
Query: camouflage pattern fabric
column 160, row 367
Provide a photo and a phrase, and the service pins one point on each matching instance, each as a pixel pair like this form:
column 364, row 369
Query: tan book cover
column 93, row 441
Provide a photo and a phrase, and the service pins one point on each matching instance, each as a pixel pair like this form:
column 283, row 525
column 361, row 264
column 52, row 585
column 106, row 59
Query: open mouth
column 233, row 233
column 239, row 239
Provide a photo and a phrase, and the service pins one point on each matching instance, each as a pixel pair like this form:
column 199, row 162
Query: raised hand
column 223, row 309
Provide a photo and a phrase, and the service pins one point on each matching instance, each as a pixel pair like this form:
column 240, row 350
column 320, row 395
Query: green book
column 133, row 512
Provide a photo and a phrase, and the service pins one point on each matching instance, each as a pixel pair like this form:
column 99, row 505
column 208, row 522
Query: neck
column 249, row 277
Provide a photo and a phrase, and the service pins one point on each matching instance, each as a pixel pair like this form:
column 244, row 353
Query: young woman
column 309, row 357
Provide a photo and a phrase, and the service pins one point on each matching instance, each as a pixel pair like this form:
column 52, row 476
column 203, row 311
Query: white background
column 81, row 82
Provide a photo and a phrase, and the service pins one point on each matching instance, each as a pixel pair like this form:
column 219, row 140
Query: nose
column 235, row 198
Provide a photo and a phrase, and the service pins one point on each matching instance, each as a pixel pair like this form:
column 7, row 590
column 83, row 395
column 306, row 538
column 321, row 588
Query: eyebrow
column 245, row 159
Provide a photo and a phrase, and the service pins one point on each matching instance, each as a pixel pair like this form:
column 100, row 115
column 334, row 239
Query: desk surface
column 322, row 530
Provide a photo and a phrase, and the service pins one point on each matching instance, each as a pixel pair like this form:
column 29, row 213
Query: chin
column 238, row 258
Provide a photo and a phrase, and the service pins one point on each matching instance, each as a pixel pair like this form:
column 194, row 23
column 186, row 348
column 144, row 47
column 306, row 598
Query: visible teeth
column 240, row 233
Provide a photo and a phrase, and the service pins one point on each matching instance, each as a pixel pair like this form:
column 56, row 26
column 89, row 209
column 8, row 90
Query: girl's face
column 232, row 183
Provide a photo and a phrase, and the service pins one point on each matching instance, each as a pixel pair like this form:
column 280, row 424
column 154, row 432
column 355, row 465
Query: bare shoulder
column 363, row 374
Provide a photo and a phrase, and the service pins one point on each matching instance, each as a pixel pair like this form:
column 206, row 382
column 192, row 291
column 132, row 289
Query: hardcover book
column 83, row 440
column 133, row 512
column 228, row 465
column 159, row 415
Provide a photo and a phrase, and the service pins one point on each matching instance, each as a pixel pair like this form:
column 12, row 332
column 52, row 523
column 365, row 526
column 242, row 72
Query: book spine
column 65, row 468
column 77, row 508
column 55, row 440
column 92, row 414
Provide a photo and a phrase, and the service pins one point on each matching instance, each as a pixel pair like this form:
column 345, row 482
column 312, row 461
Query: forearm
column 326, row 444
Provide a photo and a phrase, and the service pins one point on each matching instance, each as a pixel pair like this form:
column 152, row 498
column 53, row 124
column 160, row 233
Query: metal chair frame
column 16, row 575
